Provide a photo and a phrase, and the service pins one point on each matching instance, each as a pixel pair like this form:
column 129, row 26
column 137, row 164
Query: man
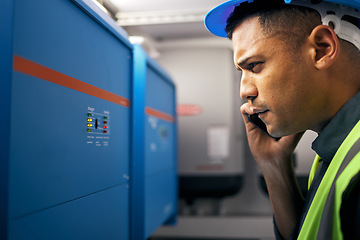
column 298, row 75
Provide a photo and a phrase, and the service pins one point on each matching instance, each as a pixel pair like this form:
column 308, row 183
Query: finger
column 246, row 110
column 251, row 129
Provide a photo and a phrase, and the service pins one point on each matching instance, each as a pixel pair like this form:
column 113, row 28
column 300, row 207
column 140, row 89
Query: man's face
column 279, row 85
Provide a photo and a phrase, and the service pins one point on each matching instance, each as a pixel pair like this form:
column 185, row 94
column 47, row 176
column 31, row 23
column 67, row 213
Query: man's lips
column 259, row 110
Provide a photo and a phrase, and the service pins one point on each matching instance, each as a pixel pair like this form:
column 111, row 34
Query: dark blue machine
column 154, row 164
column 88, row 140
column 65, row 93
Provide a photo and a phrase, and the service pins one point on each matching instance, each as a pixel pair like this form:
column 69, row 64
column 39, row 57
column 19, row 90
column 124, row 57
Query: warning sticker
column 218, row 142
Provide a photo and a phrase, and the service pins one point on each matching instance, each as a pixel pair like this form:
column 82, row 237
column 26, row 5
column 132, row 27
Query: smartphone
column 254, row 119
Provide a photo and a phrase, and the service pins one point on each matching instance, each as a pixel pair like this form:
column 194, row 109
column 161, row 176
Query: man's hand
column 265, row 148
column 274, row 158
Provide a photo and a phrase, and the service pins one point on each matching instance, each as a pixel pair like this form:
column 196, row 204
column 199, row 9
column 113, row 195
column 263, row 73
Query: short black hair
column 289, row 22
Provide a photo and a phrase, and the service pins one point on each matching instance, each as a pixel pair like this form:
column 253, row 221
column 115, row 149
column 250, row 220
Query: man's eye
column 255, row 67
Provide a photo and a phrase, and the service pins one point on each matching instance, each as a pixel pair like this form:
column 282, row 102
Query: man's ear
column 326, row 46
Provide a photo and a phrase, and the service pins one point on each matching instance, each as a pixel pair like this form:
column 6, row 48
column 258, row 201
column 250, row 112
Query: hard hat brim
column 215, row 20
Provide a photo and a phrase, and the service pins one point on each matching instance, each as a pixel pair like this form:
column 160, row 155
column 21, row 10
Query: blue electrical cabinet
column 65, row 91
column 154, row 162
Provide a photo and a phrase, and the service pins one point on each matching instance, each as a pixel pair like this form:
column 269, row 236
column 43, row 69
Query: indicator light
column 105, row 127
column 89, row 115
column 105, row 122
column 105, row 131
column 89, row 120
column 105, row 117
column 89, row 130
column 89, row 125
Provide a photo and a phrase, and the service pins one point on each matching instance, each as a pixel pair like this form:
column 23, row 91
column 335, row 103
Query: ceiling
column 165, row 19
column 159, row 5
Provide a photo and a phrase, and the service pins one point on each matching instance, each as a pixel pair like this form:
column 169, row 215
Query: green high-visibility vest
column 323, row 218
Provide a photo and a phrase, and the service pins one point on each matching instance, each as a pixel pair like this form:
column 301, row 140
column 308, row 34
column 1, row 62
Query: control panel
column 98, row 127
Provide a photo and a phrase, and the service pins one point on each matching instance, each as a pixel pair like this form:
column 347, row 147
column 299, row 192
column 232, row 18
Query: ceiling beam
column 159, row 17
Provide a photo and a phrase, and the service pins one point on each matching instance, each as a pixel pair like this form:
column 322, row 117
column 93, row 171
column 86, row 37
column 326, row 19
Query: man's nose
column 248, row 90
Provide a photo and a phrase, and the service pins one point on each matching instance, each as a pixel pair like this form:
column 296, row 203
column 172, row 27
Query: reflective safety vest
column 322, row 221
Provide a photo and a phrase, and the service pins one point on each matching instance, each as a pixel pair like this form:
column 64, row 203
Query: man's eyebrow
column 244, row 62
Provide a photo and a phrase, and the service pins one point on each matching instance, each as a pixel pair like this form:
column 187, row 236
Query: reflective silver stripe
column 325, row 227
